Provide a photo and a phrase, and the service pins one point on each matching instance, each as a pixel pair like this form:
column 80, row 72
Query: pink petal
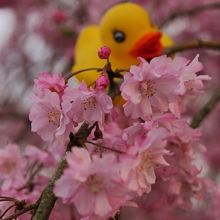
column 102, row 206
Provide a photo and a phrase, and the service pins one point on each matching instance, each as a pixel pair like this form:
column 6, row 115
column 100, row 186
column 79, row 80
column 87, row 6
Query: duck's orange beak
column 148, row 46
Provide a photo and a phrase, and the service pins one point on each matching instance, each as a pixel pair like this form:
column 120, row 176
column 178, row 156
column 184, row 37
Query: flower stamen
column 94, row 183
column 147, row 88
column 54, row 117
column 89, row 102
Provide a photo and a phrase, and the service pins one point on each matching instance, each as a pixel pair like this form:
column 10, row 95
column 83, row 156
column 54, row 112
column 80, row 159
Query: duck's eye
column 119, row 36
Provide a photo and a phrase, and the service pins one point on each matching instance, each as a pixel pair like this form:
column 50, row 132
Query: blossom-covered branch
column 198, row 44
column 191, row 12
column 148, row 89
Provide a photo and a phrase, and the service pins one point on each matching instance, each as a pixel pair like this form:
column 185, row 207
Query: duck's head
column 127, row 30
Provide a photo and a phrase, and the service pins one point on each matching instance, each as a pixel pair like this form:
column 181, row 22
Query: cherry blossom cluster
column 150, row 122
column 23, row 175
column 141, row 150
column 50, row 30
column 132, row 148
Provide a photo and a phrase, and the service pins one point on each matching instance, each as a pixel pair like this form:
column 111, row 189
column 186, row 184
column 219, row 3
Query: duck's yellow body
column 126, row 29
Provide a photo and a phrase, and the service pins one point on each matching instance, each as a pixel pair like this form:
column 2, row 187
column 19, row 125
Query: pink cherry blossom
column 83, row 104
column 91, row 183
column 147, row 152
column 21, row 175
column 191, row 85
column 12, row 167
column 46, row 81
column 181, row 177
column 150, row 87
column 46, row 115
column 36, row 154
column 192, row 82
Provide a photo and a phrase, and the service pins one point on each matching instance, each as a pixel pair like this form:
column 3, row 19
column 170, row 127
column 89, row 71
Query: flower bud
column 59, row 16
column 104, row 52
column 102, row 82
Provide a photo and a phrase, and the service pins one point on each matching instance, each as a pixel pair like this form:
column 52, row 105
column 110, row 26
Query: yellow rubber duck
column 127, row 30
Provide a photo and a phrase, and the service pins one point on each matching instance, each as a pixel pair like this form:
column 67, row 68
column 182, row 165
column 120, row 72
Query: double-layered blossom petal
column 150, row 87
column 92, row 184
column 159, row 85
column 147, row 150
column 81, row 104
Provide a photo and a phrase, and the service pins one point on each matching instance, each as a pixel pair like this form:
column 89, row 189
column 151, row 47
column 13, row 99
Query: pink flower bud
column 58, row 16
column 102, row 82
column 104, row 52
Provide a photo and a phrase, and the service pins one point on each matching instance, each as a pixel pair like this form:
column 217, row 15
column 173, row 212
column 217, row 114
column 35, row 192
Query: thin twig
column 10, row 207
column 191, row 12
column 31, row 167
column 6, row 198
column 198, row 44
column 26, row 209
column 207, row 108
column 67, row 77
column 91, row 84
column 35, row 172
column 106, row 148
column 29, row 182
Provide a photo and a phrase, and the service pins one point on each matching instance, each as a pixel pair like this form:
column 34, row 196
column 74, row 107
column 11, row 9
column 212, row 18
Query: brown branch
column 206, row 110
column 198, row 44
column 191, row 12
column 47, row 199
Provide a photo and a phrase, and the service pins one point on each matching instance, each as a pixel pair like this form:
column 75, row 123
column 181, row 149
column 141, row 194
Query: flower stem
column 67, row 77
